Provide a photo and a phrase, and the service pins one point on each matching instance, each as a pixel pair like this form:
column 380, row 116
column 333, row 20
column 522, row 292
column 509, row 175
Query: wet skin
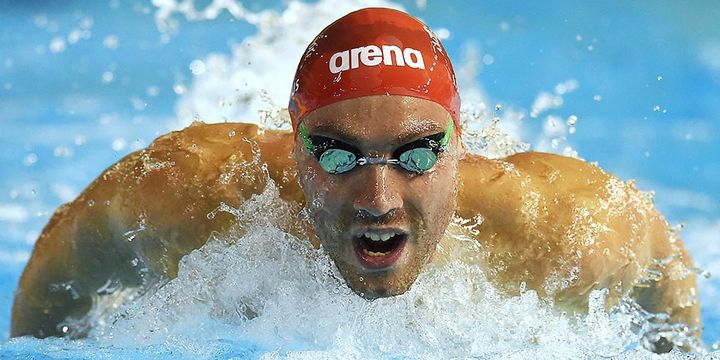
column 562, row 226
column 380, row 198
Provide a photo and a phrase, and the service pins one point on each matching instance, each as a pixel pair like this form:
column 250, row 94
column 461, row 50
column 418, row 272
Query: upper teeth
column 379, row 237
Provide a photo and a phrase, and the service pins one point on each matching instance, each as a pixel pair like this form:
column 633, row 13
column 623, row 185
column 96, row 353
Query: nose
column 379, row 194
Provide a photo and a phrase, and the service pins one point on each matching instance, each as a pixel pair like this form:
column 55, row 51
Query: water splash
column 257, row 72
column 261, row 286
column 523, row 326
column 489, row 138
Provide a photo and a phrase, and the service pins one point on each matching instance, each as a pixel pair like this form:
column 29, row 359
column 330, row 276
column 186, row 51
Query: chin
column 379, row 292
column 382, row 292
column 377, row 285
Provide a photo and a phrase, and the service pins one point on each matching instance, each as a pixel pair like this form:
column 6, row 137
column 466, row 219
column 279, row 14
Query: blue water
column 647, row 102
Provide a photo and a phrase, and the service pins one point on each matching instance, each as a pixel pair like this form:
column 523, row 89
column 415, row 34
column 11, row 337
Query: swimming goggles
column 337, row 157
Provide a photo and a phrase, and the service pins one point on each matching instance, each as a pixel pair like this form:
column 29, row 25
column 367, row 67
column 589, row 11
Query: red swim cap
column 373, row 51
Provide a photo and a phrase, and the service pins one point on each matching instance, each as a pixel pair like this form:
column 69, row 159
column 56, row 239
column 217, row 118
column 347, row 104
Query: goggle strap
column 445, row 141
column 305, row 137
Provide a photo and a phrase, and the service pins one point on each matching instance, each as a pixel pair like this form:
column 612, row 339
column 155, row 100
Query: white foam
column 267, row 287
column 702, row 238
column 264, row 286
column 256, row 76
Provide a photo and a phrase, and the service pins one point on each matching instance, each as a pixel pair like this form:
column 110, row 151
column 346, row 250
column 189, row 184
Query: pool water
column 632, row 86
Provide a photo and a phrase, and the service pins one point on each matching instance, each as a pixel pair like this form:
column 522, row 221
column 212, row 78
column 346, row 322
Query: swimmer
column 375, row 169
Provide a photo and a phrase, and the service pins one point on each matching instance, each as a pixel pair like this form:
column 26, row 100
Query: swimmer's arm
column 671, row 288
column 565, row 228
column 620, row 236
column 132, row 225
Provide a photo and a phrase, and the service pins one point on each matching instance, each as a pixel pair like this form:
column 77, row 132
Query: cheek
column 320, row 188
column 324, row 204
column 437, row 192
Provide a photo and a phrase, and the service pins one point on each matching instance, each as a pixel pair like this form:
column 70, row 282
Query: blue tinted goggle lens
column 337, row 158
column 418, row 160
column 338, row 161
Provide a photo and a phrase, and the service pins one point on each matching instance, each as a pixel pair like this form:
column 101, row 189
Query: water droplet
column 62, row 151
column 110, row 42
column 86, row 23
column 442, row 33
column 119, row 144
column 75, row 36
column 30, row 159
column 179, row 89
column 488, row 59
column 572, row 120
column 197, row 67
column 702, row 272
column 80, row 140
column 570, row 152
column 57, row 45
column 107, row 77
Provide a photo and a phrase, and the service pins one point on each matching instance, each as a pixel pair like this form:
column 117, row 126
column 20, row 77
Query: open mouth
column 379, row 249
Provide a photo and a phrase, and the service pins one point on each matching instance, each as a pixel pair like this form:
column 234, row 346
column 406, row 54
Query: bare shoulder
column 141, row 215
column 518, row 178
column 559, row 224
column 567, row 172
column 565, row 227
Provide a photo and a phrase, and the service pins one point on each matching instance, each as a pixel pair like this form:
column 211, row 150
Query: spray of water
column 265, row 286
column 266, row 291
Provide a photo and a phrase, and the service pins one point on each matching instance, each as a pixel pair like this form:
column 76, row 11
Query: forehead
column 378, row 120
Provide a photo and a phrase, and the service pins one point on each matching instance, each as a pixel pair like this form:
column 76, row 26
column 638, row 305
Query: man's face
column 379, row 223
